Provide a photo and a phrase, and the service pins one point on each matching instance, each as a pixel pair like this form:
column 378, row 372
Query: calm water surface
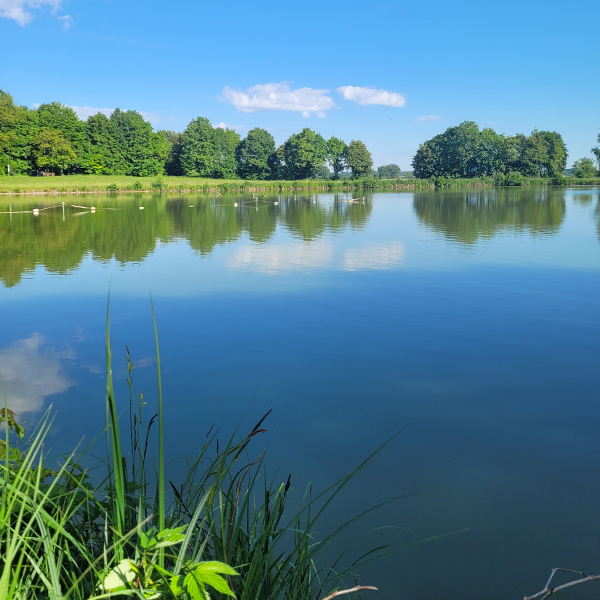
column 470, row 319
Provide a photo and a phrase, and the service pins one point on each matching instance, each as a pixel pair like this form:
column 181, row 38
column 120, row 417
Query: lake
column 469, row 320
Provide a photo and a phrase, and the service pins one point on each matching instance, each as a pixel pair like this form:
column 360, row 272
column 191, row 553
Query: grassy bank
column 81, row 184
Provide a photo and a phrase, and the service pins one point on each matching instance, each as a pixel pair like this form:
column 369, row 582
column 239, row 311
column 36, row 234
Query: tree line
column 465, row 151
column 53, row 138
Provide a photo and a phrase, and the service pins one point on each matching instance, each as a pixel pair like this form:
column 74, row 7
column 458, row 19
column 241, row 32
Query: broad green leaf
column 143, row 539
column 208, row 573
column 170, row 537
column 176, row 584
column 195, row 588
column 214, row 566
column 120, row 577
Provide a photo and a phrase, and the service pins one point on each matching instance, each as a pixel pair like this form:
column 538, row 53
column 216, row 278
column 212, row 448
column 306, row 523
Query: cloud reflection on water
column 30, row 372
column 374, row 258
column 277, row 259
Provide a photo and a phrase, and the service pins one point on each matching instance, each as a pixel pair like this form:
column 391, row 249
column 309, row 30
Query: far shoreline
column 105, row 184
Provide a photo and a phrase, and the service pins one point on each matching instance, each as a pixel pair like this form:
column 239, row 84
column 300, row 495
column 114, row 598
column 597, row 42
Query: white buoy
column 191, row 206
column 141, row 208
column 93, row 209
column 36, row 211
column 275, row 203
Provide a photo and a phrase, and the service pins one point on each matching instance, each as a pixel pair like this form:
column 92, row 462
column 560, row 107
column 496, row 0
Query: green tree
column 464, row 151
column 225, row 141
column 494, row 153
column 358, row 159
column 596, row 151
column 277, row 164
column 197, row 153
column 104, row 156
column 18, row 128
column 304, row 153
column 336, row 155
column 584, row 168
column 426, row 161
column 174, row 144
column 64, row 119
column 253, row 154
column 389, row 172
column 542, row 154
column 143, row 151
column 53, row 151
column 323, row 172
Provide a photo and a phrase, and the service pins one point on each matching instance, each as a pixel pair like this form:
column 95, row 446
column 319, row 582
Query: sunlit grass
column 80, row 184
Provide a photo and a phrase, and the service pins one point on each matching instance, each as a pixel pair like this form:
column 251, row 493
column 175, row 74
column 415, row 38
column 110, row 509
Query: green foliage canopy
column 104, row 155
column 304, row 153
column 225, row 141
column 596, row 151
column 389, row 172
column 18, row 128
column 465, row 151
column 63, row 119
column 584, row 168
column 358, row 159
column 253, row 154
column 53, row 151
column 142, row 150
column 197, row 153
column 336, row 155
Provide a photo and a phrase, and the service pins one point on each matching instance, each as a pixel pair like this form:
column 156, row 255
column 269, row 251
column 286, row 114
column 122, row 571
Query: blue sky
column 392, row 74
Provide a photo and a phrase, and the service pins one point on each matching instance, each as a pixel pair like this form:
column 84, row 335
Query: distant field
column 96, row 182
column 103, row 183
column 122, row 183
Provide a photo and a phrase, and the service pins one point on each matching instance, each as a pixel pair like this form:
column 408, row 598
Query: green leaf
column 170, row 537
column 144, row 539
column 195, row 588
column 208, row 573
column 176, row 585
column 120, row 577
column 214, row 566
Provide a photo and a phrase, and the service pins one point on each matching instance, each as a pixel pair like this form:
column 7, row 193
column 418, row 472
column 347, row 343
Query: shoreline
column 211, row 186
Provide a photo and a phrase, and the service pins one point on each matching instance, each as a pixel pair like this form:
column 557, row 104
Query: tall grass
column 227, row 525
column 83, row 184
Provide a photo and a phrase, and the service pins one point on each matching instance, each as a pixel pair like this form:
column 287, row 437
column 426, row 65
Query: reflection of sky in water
column 481, row 340
column 31, row 372
column 317, row 255
column 374, row 257
column 273, row 259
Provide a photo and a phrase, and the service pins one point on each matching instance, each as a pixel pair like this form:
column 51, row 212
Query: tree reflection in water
column 119, row 230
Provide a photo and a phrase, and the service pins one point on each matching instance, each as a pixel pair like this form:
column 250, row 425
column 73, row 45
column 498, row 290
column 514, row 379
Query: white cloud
column 374, row 258
column 428, row 118
column 222, row 125
column 83, row 112
column 151, row 117
column 278, row 259
column 279, row 96
column 30, row 373
column 19, row 10
column 67, row 21
column 368, row 95
column 36, row 105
